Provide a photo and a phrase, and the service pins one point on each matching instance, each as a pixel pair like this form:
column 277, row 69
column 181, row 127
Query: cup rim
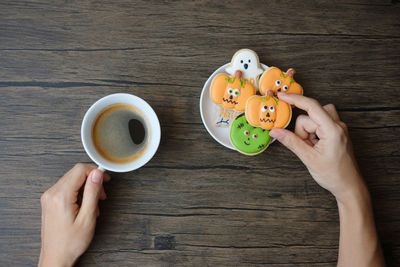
column 100, row 105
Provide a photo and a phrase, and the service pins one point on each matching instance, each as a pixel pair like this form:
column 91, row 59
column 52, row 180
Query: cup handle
column 101, row 168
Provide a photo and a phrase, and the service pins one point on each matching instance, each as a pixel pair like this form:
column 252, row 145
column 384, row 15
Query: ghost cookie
column 231, row 92
column 268, row 112
column 247, row 62
column 247, row 139
column 277, row 81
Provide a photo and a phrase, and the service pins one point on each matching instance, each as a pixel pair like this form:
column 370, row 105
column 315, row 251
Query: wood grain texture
column 195, row 203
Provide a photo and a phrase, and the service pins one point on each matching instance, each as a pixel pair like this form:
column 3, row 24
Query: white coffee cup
column 153, row 131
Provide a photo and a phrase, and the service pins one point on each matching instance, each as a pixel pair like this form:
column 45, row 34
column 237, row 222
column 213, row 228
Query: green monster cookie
column 247, row 139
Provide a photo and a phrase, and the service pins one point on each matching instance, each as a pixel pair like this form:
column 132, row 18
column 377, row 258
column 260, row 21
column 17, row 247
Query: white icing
column 250, row 70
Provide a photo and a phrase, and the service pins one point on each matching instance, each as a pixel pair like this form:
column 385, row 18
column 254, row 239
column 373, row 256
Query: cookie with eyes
column 278, row 81
column 247, row 139
column 268, row 112
column 247, row 62
column 231, row 92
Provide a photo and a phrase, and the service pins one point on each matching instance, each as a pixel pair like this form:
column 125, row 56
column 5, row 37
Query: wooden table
column 195, row 203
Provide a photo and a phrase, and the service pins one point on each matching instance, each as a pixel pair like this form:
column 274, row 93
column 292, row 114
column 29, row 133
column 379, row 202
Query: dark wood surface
column 195, row 203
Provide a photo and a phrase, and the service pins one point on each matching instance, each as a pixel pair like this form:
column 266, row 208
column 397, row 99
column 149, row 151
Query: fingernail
column 281, row 94
column 96, row 176
column 277, row 133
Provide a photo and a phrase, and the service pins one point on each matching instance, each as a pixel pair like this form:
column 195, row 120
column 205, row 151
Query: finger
column 107, row 177
column 313, row 139
column 309, row 142
column 103, row 194
column 344, row 126
column 330, row 108
column 91, row 195
column 97, row 212
column 304, row 126
column 73, row 180
column 312, row 107
column 294, row 143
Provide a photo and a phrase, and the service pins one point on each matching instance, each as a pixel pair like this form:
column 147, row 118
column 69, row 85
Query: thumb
column 91, row 194
column 293, row 142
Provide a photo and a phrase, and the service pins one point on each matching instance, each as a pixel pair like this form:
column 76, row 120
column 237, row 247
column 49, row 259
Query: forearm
column 359, row 244
column 53, row 262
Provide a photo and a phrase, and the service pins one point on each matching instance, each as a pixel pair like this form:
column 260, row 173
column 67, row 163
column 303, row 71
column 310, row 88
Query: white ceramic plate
column 207, row 107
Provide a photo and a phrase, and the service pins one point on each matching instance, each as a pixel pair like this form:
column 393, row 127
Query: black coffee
column 119, row 133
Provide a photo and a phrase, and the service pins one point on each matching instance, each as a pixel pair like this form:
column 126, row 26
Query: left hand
column 69, row 219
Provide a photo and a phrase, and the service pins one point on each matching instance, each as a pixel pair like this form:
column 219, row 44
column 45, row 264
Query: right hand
column 322, row 143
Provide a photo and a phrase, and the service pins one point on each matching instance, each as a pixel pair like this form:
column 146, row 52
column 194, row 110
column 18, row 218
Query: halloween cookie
column 223, row 116
column 268, row 112
column 231, row 92
column 247, row 139
column 278, row 81
column 247, row 62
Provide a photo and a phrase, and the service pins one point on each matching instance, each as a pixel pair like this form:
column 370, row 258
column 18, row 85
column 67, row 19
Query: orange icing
column 231, row 92
column 276, row 80
column 268, row 112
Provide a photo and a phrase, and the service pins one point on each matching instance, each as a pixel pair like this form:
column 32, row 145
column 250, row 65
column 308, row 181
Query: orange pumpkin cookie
column 231, row 92
column 268, row 112
column 277, row 81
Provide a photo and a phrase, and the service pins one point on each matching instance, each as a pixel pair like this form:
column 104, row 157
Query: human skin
column 322, row 143
column 69, row 217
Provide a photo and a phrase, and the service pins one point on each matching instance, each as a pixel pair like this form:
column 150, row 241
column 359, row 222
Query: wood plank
column 206, row 205
column 123, row 25
column 333, row 73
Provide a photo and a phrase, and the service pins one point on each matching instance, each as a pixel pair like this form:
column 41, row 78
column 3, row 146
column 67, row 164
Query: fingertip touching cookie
column 268, row 112
column 278, row 81
column 247, row 139
column 231, row 92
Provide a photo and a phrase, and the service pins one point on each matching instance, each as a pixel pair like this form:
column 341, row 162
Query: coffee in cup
column 120, row 132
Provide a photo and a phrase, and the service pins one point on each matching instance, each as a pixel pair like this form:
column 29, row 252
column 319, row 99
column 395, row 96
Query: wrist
column 351, row 188
column 357, row 199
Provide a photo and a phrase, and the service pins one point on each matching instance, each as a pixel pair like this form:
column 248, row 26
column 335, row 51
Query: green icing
column 291, row 81
column 275, row 100
column 230, row 80
column 247, row 143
